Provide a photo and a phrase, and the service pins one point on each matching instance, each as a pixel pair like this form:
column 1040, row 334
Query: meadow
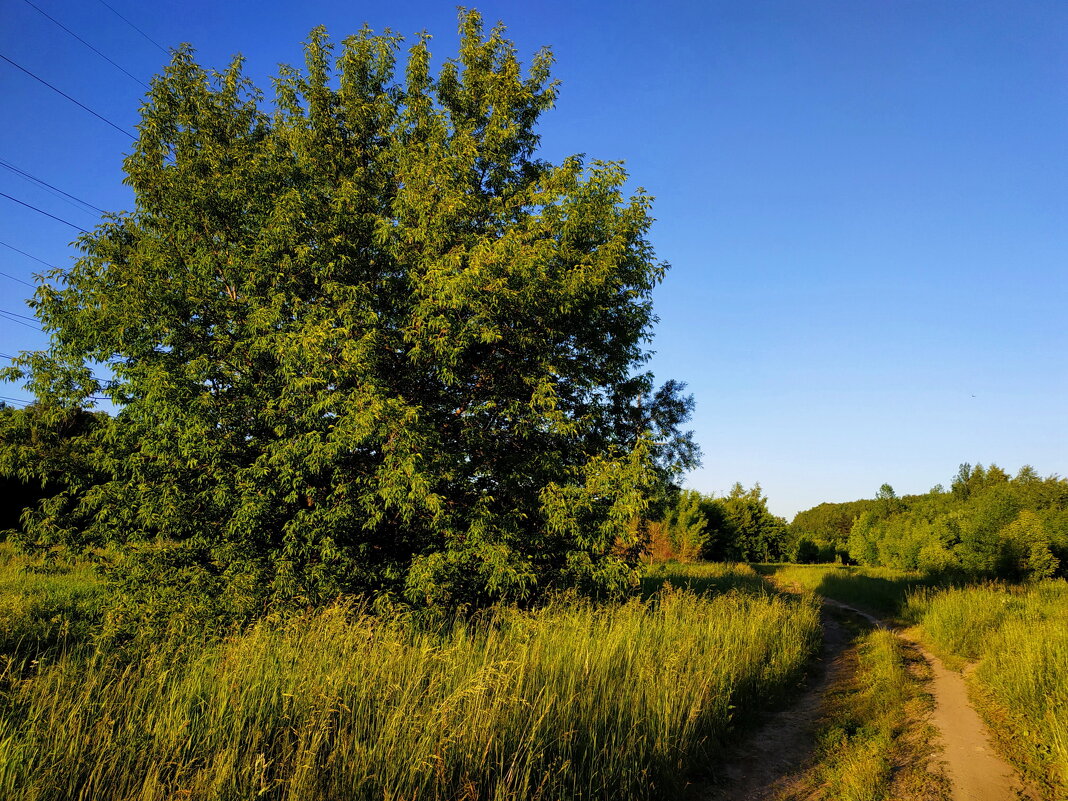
column 572, row 700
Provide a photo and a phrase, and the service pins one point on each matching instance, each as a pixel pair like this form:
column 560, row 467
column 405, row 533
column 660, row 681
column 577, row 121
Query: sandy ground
column 763, row 765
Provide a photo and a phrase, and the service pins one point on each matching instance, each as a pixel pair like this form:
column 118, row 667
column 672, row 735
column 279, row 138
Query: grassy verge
column 873, row 743
column 577, row 700
column 1017, row 638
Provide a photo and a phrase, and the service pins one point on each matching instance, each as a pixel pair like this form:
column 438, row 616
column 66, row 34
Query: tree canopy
column 363, row 338
column 987, row 524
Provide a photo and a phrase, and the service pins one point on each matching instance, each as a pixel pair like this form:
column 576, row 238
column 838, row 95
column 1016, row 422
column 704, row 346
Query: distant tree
column 686, row 527
column 751, row 533
column 365, row 339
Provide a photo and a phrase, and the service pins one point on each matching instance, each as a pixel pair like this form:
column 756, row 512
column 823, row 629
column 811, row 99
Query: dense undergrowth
column 573, row 700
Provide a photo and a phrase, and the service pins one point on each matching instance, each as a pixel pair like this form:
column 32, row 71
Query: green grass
column 45, row 606
column 1018, row 638
column 704, row 577
column 577, row 700
column 880, row 590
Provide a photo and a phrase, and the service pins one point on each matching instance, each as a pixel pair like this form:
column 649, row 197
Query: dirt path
column 765, row 762
column 976, row 772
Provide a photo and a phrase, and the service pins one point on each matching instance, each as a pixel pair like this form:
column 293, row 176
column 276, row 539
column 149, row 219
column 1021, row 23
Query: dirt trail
column 976, row 772
column 765, row 762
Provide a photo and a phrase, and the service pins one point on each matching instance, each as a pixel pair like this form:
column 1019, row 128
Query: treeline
column 737, row 527
column 988, row 524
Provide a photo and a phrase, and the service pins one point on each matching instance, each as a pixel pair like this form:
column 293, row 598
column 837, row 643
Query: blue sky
column 865, row 203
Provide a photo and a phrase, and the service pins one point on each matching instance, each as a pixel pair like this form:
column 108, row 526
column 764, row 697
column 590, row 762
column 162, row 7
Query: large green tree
column 362, row 337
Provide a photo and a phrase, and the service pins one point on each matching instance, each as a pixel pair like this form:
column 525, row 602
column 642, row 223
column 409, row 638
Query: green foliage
column 46, row 456
column 829, row 523
column 363, row 339
column 686, row 526
column 45, row 605
column 988, row 525
column 575, row 700
column 745, row 529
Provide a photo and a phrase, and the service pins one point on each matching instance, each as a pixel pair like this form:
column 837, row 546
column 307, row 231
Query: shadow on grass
column 880, row 591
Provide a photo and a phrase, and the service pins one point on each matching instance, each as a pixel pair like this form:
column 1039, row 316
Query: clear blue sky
column 865, row 202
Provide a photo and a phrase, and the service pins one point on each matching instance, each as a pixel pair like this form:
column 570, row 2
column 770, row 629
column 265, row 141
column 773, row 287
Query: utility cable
column 71, row 99
column 44, row 183
column 15, row 400
column 16, row 314
column 27, row 255
column 45, row 213
column 5, row 316
column 16, row 278
column 80, row 39
column 120, row 16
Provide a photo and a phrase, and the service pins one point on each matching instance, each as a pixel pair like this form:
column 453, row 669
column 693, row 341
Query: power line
column 16, row 314
column 44, row 183
column 80, row 39
column 6, row 316
column 27, row 255
column 71, row 99
column 41, row 211
column 23, row 401
column 120, row 16
column 16, row 278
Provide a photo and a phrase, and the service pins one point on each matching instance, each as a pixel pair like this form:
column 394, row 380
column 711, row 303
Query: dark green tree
column 365, row 339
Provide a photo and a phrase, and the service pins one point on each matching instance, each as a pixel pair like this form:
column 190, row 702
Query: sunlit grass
column 576, row 700
column 45, row 605
column 880, row 590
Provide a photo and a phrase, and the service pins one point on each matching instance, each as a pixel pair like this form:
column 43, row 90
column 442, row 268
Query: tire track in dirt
column 764, row 763
column 762, row 768
column 976, row 771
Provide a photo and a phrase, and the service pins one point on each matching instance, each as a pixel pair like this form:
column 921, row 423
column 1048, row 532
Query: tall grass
column 704, row 577
column 1018, row 637
column 866, row 716
column 576, row 701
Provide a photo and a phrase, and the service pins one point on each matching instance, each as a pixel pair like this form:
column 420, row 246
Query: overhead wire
column 42, row 211
column 64, row 94
column 44, row 183
column 13, row 319
column 120, row 16
column 16, row 314
column 80, row 39
column 27, row 255
column 16, row 278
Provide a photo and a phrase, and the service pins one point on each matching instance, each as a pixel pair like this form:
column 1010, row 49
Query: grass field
column 574, row 700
